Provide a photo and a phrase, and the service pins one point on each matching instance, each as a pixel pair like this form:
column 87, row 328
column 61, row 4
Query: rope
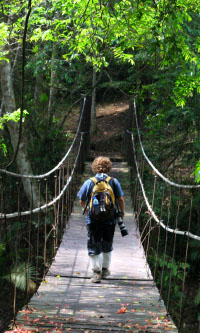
column 153, row 214
column 38, row 209
column 59, row 164
column 151, row 164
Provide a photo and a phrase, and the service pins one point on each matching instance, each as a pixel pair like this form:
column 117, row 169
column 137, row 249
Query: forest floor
column 108, row 138
column 110, row 122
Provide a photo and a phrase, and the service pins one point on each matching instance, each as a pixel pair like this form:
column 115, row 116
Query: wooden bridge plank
column 78, row 303
column 69, row 301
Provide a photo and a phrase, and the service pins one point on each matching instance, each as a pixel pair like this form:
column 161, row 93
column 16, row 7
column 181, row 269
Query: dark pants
column 100, row 238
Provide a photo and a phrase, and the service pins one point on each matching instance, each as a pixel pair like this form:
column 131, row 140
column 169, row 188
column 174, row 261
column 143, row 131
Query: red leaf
column 122, row 310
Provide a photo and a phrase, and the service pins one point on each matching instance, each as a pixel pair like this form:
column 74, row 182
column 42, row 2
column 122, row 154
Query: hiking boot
column 105, row 272
column 96, row 277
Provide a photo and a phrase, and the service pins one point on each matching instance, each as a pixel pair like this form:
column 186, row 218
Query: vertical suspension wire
column 174, row 249
column 45, row 227
column 144, row 235
column 150, row 223
column 38, row 232
column 135, row 192
column 30, row 225
column 166, row 240
column 15, row 265
column 69, row 193
column 66, row 194
column 79, row 162
column 16, row 252
column 69, row 198
column 84, row 147
column 185, row 263
column 7, row 247
column 58, row 222
column 139, row 204
column 136, row 204
column 158, row 238
column 141, row 171
column 1, row 206
column 1, row 203
column 72, row 194
column 62, row 201
column 29, row 258
column 55, row 215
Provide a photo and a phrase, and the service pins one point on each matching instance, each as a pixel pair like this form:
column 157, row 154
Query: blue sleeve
column 85, row 190
column 117, row 189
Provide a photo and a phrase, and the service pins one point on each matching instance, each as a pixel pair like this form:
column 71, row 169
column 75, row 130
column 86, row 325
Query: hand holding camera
column 123, row 229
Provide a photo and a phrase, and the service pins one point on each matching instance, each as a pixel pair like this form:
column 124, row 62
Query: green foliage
column 197, row 172
column 14, row 116
column 170, row 272
column 43, row 97
column 3, row 38
column 20, row 274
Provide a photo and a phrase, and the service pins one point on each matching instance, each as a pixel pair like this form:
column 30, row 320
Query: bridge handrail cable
column 151, row 164
column 151, row 211
column 38, row 209
column 59, row 164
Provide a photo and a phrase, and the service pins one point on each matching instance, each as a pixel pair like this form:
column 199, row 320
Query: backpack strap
column 108, row 179
column 94, row 180
column 114, row 190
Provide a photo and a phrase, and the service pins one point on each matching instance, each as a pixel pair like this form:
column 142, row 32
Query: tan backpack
column 102, row 201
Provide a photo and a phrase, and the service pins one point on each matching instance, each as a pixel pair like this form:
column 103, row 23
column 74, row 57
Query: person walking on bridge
column 98, row 196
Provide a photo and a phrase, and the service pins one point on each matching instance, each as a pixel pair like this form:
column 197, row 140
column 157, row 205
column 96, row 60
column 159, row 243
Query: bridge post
column 85, row 128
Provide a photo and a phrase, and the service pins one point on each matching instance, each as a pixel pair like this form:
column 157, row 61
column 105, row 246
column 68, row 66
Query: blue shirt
column 86, row 190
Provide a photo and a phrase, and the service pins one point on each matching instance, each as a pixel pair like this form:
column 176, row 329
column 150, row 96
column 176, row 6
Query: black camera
column 122, row 227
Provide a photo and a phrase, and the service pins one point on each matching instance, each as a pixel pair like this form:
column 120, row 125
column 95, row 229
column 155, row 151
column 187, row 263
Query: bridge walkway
column 127, row 301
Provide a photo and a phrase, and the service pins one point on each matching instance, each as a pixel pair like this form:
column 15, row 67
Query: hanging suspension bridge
column 51, row 243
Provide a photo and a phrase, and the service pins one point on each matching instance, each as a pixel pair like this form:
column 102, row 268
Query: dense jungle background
column 55, row 52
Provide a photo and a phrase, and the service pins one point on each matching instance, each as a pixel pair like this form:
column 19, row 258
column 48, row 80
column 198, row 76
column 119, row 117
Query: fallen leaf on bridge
column 122, row 310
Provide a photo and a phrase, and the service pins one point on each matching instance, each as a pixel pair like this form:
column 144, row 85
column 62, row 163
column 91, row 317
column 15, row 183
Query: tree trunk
column 23, row 163
column 52, row 90
column 93, row 107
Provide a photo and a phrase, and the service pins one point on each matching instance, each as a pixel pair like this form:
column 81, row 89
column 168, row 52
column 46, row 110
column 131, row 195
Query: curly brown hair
column 101, row 164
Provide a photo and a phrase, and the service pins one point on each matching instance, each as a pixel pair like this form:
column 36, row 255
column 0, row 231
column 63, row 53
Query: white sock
column 106, row 259
column 96, row 262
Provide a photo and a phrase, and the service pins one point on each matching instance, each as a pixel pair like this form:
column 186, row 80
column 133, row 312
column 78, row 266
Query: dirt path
column 110, row 127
